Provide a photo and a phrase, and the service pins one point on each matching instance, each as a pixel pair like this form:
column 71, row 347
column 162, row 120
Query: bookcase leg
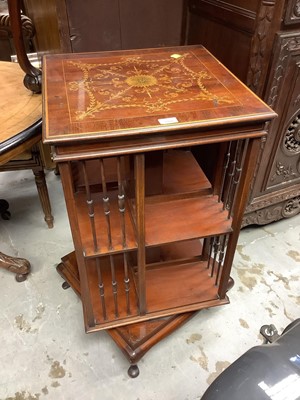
column 65, row 285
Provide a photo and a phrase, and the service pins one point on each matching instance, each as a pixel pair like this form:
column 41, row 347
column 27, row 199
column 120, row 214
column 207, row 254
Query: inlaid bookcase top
column 128, row 93
column 154, row 235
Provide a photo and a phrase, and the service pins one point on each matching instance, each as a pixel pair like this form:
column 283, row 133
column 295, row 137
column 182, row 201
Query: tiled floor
column 45, row 354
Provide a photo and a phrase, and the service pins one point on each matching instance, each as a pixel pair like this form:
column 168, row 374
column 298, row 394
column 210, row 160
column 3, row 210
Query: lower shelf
column 180, row 286
column 171, row 286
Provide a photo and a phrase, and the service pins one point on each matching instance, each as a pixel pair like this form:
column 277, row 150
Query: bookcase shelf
column 165, row 292
column 188, row 219
column 185, row 191
column 209, row 219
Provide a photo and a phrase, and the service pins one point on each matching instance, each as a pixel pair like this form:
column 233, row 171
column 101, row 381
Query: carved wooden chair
column 21, row 128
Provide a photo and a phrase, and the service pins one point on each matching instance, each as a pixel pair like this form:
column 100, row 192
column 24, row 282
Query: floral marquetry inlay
column 137, row 85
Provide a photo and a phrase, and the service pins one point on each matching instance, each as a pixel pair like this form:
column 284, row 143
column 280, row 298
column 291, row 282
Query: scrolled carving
column 286, row 172
column 291, row 140
column 294, row 44
column 264, row 216
column 273, row 212
column 27, row 25
column 259, row 45
column 291, row 207
column 33, row 78
column 274, row 199
column 287, row 45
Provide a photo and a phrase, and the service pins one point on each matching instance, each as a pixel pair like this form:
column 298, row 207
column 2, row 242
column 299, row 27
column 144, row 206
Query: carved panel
column 287, row 45
column 284, row 171
column 285, row 195
column 264, row 18
column 291, row 207
column 263, row 216
column 269, row 172
column 292, row 15
column 284, row 98
column 291, row 140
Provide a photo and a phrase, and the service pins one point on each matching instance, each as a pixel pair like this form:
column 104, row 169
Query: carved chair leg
column 43, row 194
column 18, row 266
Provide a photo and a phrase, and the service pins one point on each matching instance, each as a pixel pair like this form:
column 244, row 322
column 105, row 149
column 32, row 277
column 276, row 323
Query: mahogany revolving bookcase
column 154, row 238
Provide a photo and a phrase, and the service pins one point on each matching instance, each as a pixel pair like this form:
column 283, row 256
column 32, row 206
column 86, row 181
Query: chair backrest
column 6, row 42
column 33, row 77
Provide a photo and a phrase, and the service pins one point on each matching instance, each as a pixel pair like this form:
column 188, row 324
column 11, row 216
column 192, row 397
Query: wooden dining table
column 20, row 130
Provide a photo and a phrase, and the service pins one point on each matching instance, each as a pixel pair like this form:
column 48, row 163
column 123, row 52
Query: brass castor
column 133, row 371
column 5, row 214
column 65, row 285
column 21, row 278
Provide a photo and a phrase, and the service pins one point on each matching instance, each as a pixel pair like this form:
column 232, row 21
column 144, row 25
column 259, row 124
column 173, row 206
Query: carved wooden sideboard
column 260, row 42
